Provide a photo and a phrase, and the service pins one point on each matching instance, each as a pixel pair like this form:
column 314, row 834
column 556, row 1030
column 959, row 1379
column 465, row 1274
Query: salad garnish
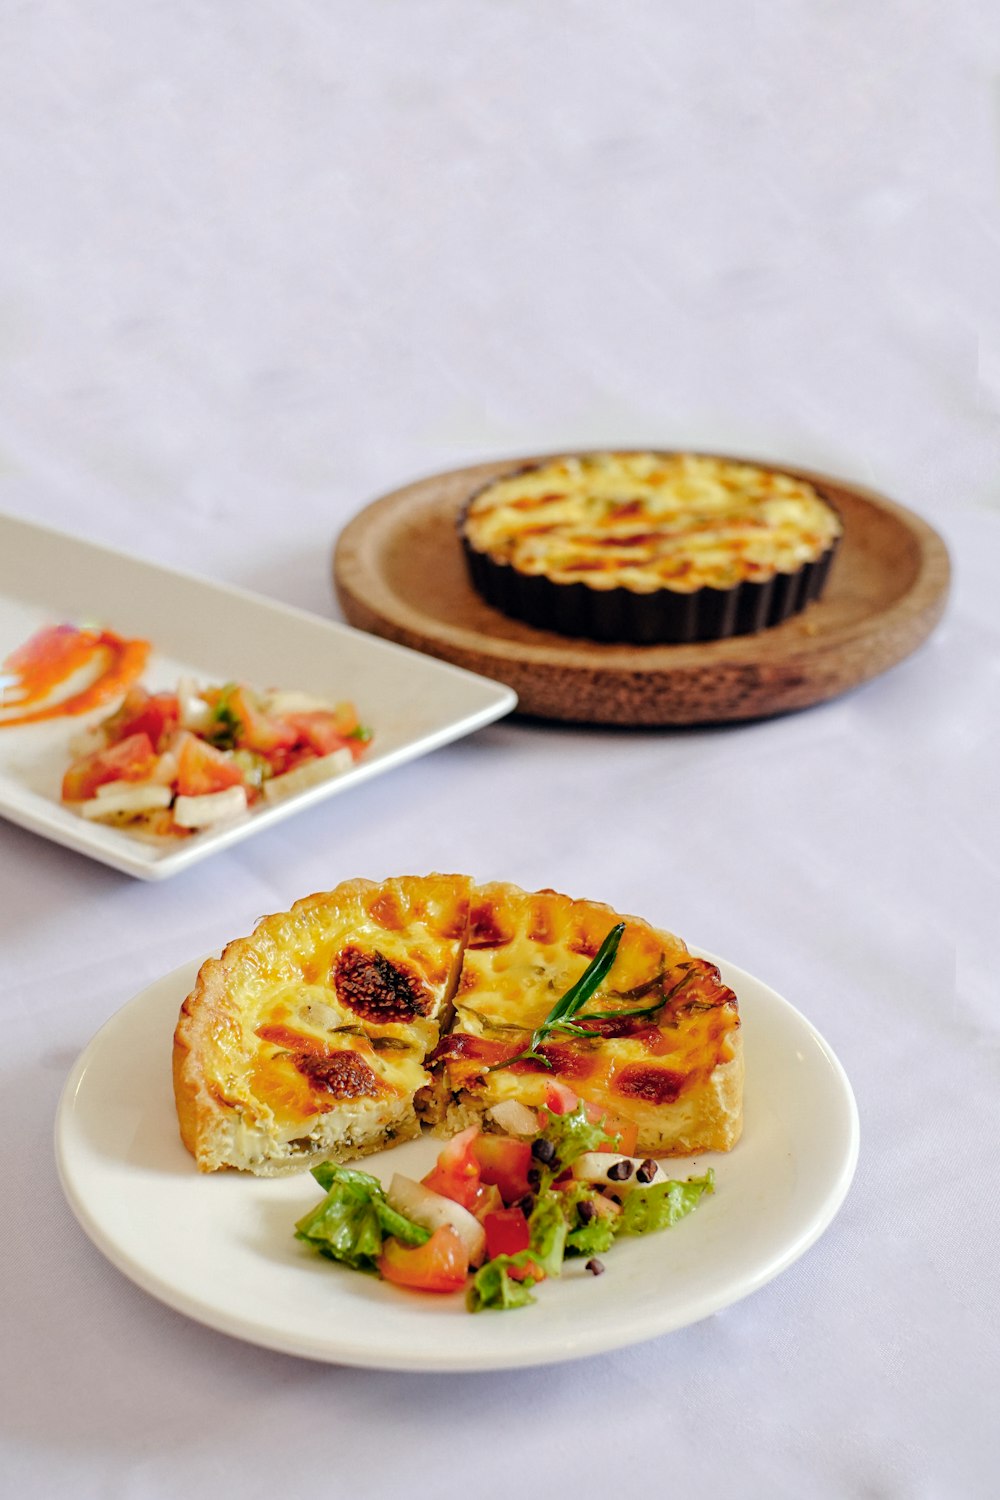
column 497, row 1215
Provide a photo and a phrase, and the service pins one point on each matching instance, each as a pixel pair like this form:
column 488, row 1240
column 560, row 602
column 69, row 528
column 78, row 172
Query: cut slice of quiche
column 334, row 1029
column 308, row 1039
column 663, row 1048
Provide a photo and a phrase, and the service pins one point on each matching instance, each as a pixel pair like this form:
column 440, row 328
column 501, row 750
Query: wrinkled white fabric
column 262, row 262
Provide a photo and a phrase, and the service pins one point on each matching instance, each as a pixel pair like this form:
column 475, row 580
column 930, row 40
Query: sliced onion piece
column 310, row 773
column 291, row 701
column 424, row 1206
column 165, row 770
column 119, row 800
column 212, row 808
column 194, row 713
column 116, row 788
column 594, row 1166
column 514, row 1117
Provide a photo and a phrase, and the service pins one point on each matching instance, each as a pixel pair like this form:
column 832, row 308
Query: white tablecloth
column 261, row 262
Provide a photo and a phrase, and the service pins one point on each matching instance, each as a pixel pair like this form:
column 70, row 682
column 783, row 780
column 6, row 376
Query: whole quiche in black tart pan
column 649, row 548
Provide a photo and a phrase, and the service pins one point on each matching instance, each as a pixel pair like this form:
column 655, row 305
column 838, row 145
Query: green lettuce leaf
column 591, row 1239
column 647, row 1209
column 225, row 726
column 327, row 1173
column 572, row 1135
column 493, row 1287
column 351, row 1222
column 548, row 1228
column 592, row 1236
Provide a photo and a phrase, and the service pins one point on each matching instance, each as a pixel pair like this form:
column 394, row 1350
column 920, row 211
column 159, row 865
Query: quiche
column 649, row 547
column 339, row 1027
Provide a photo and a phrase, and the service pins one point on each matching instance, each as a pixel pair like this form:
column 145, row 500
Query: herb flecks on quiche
column 649, row 547
column 336, row 1028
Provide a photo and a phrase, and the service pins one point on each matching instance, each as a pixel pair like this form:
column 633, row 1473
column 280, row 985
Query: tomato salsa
column 169, row 763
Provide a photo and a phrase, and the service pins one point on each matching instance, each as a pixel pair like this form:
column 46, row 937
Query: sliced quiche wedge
column 664, row 1046
column 335, row 1029
column 308, row 1039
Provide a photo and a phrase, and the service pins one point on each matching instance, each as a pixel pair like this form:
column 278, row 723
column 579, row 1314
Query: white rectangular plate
column 214, row 633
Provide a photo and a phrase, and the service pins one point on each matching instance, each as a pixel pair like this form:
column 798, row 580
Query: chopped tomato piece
column 130, row 760
column 626, row 1132
column 346, row 717
column 458, row 1156
column 560, row 1099
column 439, row 1265
column 202, row 769
column 478, row 1197
column 507, row 1232
column 155, row 714
column 321, row 732
column 256, row 729
column 456, row 1173
column 504, row 1162
column 458, row 1189
column 487, row 1201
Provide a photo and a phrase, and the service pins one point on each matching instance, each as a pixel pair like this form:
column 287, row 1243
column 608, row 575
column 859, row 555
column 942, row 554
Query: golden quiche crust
column 337, row 1027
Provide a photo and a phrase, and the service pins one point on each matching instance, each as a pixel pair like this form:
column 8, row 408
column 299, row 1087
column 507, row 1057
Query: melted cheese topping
column 336, row 1002
column 650, row 521
column 525, row 951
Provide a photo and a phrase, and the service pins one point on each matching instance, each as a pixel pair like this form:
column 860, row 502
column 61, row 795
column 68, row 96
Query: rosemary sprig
column 559, row 1017
column 639, row 1010
column 576, row 1027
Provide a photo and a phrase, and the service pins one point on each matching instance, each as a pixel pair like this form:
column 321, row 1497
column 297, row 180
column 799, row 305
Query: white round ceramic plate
column 220, row 1248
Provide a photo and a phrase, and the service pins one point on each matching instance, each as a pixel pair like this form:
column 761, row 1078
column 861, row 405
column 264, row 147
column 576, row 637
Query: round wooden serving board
column 399, row 573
